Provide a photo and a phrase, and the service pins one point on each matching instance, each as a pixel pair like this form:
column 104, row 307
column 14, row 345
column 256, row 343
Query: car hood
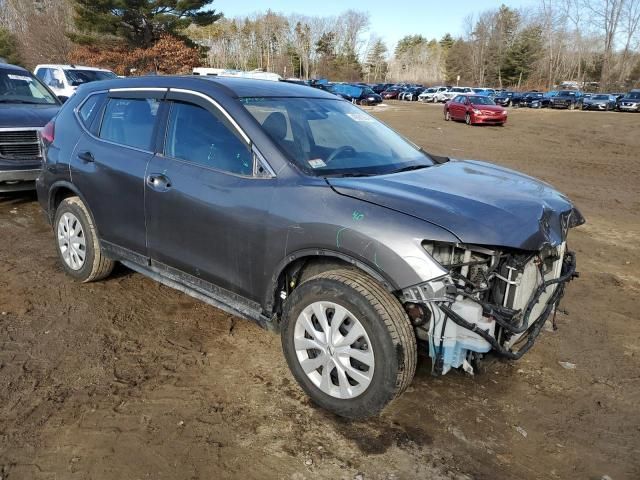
column 478, row 202
column 25, row 115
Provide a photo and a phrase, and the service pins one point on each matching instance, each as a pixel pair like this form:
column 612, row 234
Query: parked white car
column 452, row 92
column 429, row 95
column 63, row 80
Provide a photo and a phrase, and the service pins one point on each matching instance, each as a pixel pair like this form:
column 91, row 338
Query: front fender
column 381, row 241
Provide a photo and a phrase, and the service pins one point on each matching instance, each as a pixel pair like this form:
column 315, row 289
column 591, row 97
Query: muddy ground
column 126, row 379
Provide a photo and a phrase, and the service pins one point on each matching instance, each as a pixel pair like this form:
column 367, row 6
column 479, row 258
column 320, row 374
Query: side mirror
column 63, row 98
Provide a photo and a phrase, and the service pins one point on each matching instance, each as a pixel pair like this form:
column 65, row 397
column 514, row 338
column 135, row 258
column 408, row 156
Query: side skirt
column 192, row 286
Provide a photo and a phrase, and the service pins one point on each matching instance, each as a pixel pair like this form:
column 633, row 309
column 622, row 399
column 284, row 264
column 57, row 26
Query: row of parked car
column 571, row 99
column 568, row 99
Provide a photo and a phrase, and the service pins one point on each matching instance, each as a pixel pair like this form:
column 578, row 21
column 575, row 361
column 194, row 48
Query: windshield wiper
column 410, row 168
column 8, row 100
column 351, row 174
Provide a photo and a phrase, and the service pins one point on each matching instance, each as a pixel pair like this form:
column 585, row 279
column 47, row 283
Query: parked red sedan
column 474, row 109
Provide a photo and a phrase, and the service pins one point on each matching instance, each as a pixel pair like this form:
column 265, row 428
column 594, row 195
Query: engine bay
column 489, row 301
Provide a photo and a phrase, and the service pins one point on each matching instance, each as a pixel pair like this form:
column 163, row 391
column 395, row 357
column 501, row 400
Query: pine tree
column 8, row 47
column 376, row 62
column 447, row 41
column 140, row 23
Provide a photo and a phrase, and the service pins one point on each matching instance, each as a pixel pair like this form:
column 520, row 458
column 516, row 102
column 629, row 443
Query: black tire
column 467, row 119
column 96, row 265
column 383, row 318
column 447, row 115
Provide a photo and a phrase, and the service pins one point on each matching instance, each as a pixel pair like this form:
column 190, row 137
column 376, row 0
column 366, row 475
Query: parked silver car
column 600, row 101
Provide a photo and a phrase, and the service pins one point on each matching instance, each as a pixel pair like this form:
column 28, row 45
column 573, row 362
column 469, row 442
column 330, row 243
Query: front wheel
column 467, row 119
column 348, row 343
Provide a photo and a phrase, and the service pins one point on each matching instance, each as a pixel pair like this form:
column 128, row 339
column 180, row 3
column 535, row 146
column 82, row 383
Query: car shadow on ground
column 18, row 198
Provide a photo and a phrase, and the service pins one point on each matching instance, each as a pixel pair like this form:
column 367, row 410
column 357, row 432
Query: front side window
column 130, row 121
column 197, row 135
column 22, row 87
column 332, row 137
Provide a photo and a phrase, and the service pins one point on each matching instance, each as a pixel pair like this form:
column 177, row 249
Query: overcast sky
column 391, row 20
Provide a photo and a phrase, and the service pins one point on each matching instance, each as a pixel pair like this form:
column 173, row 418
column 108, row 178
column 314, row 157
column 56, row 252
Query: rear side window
column 130, row 121
column 197, row 135
column 89, row 109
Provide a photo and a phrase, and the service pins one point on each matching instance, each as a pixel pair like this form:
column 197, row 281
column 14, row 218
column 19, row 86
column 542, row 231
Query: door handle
column 158, row 182
column 86, row 157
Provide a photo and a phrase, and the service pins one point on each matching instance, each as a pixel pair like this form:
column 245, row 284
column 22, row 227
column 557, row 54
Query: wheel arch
column 295, row 265
column 58, row 192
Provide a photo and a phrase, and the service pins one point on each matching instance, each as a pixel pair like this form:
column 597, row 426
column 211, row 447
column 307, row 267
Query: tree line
column 583, row 40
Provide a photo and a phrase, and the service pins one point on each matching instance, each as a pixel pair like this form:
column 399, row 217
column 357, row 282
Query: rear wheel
column 348, row 343
column 77, row 242
column 447, row 116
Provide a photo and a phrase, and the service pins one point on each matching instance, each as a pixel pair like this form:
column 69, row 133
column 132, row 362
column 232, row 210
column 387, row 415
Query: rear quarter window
column 88, row 110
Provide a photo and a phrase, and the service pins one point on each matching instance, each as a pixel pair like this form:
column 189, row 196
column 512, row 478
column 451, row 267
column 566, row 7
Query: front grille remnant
column 20, row 144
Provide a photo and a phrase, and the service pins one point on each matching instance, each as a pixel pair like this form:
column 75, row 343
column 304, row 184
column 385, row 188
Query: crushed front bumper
column 460, row 328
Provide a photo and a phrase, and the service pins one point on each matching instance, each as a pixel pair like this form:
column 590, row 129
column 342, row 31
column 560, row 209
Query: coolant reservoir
column 472, row 312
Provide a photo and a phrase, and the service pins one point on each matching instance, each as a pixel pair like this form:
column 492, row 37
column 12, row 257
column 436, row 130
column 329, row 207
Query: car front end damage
column 490, row 300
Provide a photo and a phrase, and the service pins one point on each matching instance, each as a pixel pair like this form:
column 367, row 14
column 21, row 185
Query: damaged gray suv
column 291, row 207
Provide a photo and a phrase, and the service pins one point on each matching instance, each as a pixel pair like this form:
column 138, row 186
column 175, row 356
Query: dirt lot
column 127, row 379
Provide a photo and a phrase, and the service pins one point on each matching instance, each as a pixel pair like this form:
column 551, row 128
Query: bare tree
column 605, row 16
column 630, row 28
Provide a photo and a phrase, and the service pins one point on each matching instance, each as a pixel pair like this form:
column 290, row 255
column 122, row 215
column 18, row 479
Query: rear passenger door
column 208, row 198
column 110, row 162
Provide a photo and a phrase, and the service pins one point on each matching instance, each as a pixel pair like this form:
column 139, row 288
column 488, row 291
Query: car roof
column 72, row 67
column 234, row 87
column 14, row 68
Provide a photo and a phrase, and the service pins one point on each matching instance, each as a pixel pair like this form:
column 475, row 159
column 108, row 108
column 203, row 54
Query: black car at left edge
column 26, row 105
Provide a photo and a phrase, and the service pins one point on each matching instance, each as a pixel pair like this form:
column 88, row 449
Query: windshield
column 477, row 100
column 333, row 137
column 78, row 77
column 567, row 93
column 21, row 87
column 601, row 97
column 633, row 96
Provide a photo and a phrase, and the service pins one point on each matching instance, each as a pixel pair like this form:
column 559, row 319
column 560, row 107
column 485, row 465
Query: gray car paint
column 244, row 232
